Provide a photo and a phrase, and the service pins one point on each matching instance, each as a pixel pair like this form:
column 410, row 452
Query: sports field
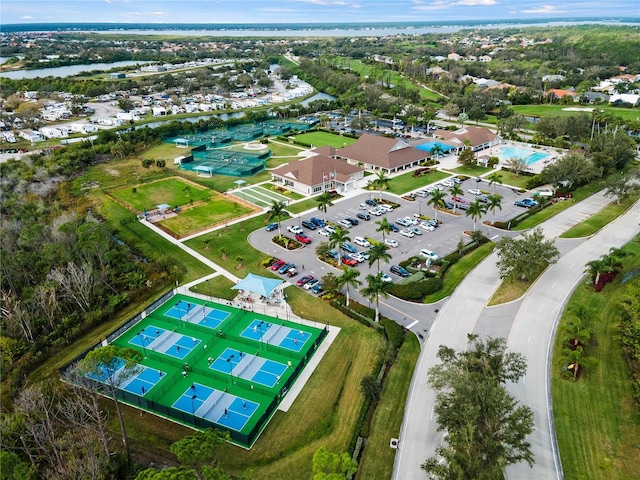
column 172, row 191
column 213, row 365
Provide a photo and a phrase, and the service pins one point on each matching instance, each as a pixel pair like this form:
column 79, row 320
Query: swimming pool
column 530, row 156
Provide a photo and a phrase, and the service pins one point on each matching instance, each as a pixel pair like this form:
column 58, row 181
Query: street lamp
column 179, row 311
column 230, row 366
column 141, row 335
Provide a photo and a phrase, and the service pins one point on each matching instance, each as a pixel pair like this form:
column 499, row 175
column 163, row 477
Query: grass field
column 322, row 139
column 511, row 289
column 172, row 191
column 594, row 223
column 305, row 205
column 219, row 287
column 218, row 209
column 560, row 111
column 513, row 180
column 279, row 149
column 472, row 170
column 595, row 418
column 377, row 460
column 406, row 182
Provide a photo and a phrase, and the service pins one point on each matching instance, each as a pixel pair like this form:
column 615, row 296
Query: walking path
column 530, row 333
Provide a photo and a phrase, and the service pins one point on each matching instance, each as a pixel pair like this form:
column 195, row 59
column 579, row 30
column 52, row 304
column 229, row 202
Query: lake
column 67, row 71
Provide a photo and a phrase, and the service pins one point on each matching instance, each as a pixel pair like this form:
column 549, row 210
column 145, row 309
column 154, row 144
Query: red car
column 349, row 261
column 277, row 265
column 304, row 280
column 302, row 238
column 458, row 200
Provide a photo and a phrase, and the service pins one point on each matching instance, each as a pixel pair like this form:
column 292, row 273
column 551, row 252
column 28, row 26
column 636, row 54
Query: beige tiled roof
column 475, row 135
column 382, row 151
column 315, row 170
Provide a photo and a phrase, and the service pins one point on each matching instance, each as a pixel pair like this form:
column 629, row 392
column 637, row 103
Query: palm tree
column 322, row 250
column 456, row 191
column 338, row 238
column 476, row 210
column 276, row 211
column 375, row 115
column 381, row 181
column 324, row 202
column 378, row 252
column 376, row 286
column 412, row 121
column 494, row 178
column 384, row 226
column 436, row 200
column 349, row 278
column 495, row 201
column 437, row 150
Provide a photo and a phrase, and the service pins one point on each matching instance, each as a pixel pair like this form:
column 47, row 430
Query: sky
column 306, row 11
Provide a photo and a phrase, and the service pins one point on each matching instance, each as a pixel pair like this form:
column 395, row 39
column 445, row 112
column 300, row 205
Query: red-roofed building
column 559, row 93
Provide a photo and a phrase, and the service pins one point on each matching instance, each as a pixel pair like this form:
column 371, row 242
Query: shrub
column 416, row 291
column 535, row 181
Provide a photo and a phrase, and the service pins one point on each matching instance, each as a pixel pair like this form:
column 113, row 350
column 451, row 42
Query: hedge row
column 522, row 216
column 416, row 290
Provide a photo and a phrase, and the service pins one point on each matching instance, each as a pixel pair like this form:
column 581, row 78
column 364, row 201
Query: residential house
column 476, row 138
column 31, row 135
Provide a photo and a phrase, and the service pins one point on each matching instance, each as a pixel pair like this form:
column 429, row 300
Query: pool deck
column 535, row 167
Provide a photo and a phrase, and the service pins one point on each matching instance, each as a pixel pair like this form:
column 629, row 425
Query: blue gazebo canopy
column 256, row 284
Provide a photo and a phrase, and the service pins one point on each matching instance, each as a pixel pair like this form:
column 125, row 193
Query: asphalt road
column 528, row 324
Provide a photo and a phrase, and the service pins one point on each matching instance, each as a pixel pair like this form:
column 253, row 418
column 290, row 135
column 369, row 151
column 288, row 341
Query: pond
column 67, row 71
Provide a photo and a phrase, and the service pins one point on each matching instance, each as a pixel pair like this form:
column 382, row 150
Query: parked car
column 462, row 206
column 448, row 183
column 427, row 226
column 458, row 199
column 407, row 233
column 526, row 203
column 345, row 223
column 456, row 180
column 363, row 216
column 277, row 265
column 292, row 272
column 475, row 191
column 394, row 228
column 370, row 202
column 448, row 205
column 386, row 207
column 428, row 254
column 349, row 248
column 271, row 227
column 412, row 220
column 404, row 222
column 304, row 280
column 309, row 285
column 318, row 222
column 349, row 261
column 317, row 288
column 483, row 199
column 330, row 229
column 391, row 242
column 376, row 211
column 334, row 254
column 302, row 238
column 398, row 270
column 352, row 221
column 284, row 268
column 422, row 193
column 433, row 223
column 363, row 206
column 308, row 224
column 294, row 229
column 365, row 255
column 357, row 257
column 324, row 232
column 363, row 242
column 385, row 278
column 415, row 230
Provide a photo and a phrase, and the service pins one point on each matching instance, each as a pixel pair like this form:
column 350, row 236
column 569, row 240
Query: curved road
column 530, row 333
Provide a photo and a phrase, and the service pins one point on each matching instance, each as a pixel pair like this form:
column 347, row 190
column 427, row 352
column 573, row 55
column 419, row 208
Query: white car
column 358, row 257
column 386, row 207
column 363, row 242
column 407, row 233
column 345, row 223
column 427, row 226
column 385, row 278
column 363, row 206
column 412, row 221
column 296, row 230
column 391, row 242
column 330, row 229
column 448, row 183
column 376, row 211
column 475, row 191
column 429, row 254
column 323, row 232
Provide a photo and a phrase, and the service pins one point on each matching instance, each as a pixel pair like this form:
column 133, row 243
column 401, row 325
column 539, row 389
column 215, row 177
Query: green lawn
column 282, row 150
column 406, row 182
column 219, row 287
column 595, row 418
column 173, row 191
column 594, row 223
column 559, row 111
column 513, row 180
column 287, row 193
column 457, row 272
column 377, row 459
column 472, row 171
column 304, row 205
column 322, row 139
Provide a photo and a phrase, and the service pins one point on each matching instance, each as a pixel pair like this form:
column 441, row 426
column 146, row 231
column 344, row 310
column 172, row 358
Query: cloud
column 143, row 14
column 107, row 1
column 447, row 4
column 473, row 3
column 338, row 3
column 26, row 17
column 544, row 9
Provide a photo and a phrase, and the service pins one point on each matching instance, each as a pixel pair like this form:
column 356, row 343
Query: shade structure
column 256, row 284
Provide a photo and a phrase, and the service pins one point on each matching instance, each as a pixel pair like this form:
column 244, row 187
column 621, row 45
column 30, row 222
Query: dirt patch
column 113, row 172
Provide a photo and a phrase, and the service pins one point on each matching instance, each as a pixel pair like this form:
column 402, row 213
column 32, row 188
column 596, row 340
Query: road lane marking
column 529, row 339
column 412, row 324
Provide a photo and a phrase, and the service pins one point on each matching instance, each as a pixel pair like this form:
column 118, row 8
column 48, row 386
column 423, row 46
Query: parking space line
column 412, row 324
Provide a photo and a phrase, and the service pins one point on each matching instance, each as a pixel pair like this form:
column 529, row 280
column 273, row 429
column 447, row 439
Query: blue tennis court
column 220, row 407
column 143, row 382
column 250, row 367
column 182, row 347
column 200, row 314
column 146, row 336
column 278, row 335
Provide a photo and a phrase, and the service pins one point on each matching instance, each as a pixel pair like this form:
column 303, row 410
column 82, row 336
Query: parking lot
column 442, row 240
